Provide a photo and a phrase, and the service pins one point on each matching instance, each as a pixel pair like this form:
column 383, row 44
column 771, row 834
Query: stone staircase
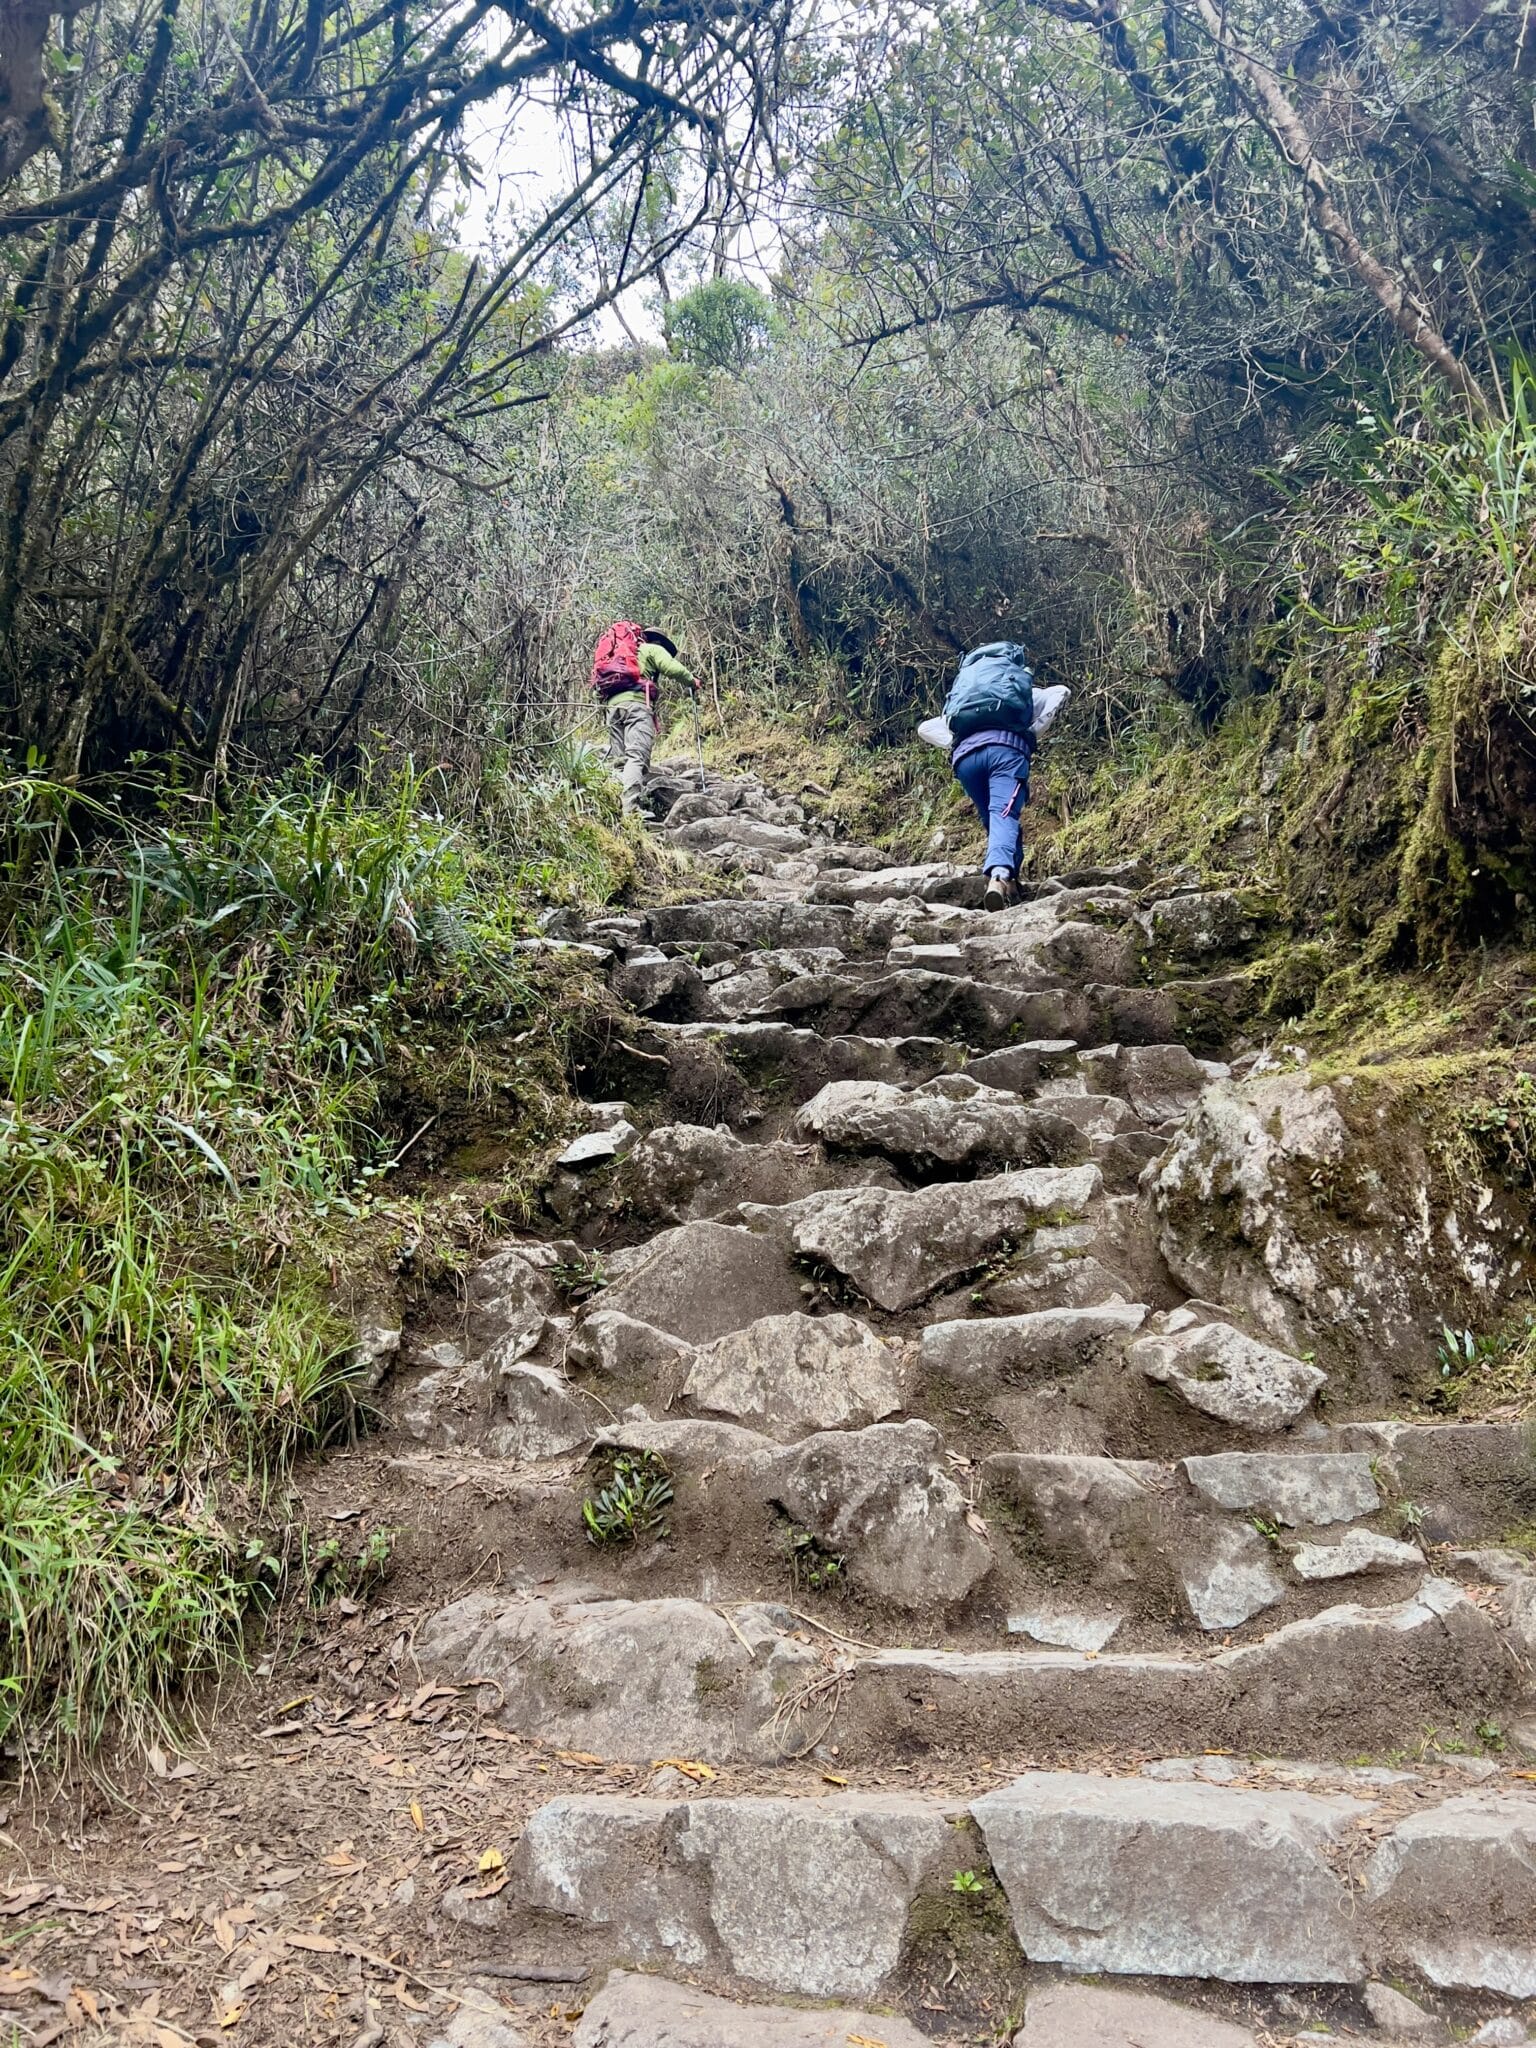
column 1041, row 1563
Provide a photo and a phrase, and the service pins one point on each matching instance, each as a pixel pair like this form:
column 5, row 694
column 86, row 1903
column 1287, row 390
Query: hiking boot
column 1001, row 892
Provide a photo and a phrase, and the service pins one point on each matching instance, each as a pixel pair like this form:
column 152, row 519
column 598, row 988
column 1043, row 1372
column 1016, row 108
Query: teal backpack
column 994, row 688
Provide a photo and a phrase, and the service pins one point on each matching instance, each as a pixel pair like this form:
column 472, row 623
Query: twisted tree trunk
column 1407, row 312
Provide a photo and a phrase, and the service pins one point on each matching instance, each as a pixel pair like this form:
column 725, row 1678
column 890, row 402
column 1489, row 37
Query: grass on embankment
column 203, row 1021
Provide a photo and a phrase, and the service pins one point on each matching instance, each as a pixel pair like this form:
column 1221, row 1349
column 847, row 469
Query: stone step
column 1265, row 1883
column 952, row 1121
column 795, row 1058
column 1353, row 1679
column 638, row 1679
column 637, row 2011
column 897, row 1248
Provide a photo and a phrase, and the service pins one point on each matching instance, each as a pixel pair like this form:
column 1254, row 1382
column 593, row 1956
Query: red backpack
column 616, row 663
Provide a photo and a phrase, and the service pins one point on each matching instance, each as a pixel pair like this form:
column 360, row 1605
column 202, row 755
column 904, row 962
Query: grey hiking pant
column 631, row 736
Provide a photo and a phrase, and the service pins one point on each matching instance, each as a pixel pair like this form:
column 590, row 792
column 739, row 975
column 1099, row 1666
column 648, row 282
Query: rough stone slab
column 1053, row 1343
column 880, row 1497
column 1020, row 1068
column 1094, row 1517
column 1352, row 1678
column 703, row 1280
column 479, row 2023
column 1132, row 1877
column 686, row 1173
column 1065, row 1629
column 1361, row 1551
column 931, row 881
column 1162, row 1083
column 790, row 1375
column 751, row 924
column 989, row 1128
column 1295, row 1489
column 598, row 1148
column 766, row 1052
column 1199, row 925
column 1097, row 1116
column 629, row 1679
column 633, row 2011
column 1452, row 1893
column 807, row 1897
column 737, row 829
column 1091, row 2016
column 898, row 1248
column 905, row 1702
column 541, row 1415
column 1227, row 1574
column 510, row 1301
column 1228, row 1375
column 1395, row 2014
column 619, row 1347
column 1374, row 1674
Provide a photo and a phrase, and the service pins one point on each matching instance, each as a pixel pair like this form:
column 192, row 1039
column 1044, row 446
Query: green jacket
column 658, row 667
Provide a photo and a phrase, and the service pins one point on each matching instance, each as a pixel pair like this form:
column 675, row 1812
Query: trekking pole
column 698, row 741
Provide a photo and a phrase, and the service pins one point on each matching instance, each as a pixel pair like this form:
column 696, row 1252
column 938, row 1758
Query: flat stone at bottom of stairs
column 814, row 1898
column 1089, row 2016
column 635, row 2011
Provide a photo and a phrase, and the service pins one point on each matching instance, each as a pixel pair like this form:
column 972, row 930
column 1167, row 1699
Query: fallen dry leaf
column 232, row 2016
column 689, row 1766
column 492, row 1859
column 24, row 1901
column 418, row 1818
column 831, row 1778
column 317, row 1944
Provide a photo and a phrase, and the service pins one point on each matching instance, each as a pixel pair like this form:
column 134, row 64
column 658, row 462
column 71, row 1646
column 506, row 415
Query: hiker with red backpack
column 628, row 669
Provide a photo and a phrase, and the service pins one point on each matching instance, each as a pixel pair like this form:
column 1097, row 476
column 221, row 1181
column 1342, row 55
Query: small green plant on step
column 813, row 1569
column 1495, row 1366
column 580, row 1278
column 324, row 1573
column 967, row 1885
column 633, row 1503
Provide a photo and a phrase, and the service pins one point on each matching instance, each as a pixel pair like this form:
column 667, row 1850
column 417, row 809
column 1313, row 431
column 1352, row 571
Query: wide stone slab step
column 1262, row 1884
column 636, row 2011
column 638, row 1680
column 1352, row 1679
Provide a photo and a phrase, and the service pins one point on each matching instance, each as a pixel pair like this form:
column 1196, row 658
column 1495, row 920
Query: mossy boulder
column 1318, row 1210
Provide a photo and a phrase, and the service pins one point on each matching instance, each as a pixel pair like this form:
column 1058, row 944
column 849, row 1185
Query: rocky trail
column 934, row 1542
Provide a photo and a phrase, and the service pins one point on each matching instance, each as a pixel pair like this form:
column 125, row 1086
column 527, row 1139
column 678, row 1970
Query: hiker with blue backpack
column 628, row 669
column 992, row 718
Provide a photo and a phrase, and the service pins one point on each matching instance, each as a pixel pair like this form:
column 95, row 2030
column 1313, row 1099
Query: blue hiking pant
column 996, row 779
